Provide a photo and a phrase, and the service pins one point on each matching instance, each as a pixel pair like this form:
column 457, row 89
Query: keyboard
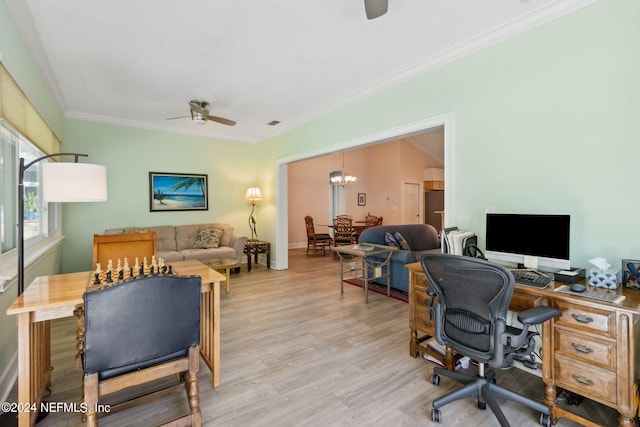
column 531, row 278
column 597, row 294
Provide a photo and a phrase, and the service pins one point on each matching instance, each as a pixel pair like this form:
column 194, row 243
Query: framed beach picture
column 177, row 192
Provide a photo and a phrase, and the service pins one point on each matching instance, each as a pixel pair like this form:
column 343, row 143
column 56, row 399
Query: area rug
column 380, row 289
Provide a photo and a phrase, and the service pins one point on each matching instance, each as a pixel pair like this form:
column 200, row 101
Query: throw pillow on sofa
column 402, row 241
column 390, row 240
column 208, row 238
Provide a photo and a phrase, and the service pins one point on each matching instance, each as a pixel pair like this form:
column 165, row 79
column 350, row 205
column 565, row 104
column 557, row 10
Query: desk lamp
column 61, row 182
column 253, row 196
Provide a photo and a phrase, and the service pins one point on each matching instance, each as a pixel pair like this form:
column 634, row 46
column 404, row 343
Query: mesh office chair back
column 474, row 297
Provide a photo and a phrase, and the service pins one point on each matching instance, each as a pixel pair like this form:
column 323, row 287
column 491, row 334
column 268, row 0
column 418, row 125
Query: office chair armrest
column 432, row 294
column 537, row 315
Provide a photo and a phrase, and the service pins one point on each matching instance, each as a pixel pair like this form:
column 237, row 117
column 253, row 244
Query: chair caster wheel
column 436, row 416
column 545, row 420
column 482, row 405
column 435, row 379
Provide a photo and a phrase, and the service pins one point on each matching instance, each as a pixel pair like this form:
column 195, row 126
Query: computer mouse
column 577, row 287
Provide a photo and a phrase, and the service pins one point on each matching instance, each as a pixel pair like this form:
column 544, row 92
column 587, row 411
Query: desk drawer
column 596, row 384
column 521, row 301
column 421, row 299
column 586, row 318
column 423, row 322
column 585, row 348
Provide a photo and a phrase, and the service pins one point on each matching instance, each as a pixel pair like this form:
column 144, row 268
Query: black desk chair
column 139, row 331
column 472, row 299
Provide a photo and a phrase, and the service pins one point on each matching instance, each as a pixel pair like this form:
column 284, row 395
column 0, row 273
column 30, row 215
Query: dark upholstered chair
column 316, row 242
column 472, row 299
column 422, row 238
column 139, row 331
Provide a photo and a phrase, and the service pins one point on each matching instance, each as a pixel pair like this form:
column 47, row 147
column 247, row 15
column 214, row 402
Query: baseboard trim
column 9, row 377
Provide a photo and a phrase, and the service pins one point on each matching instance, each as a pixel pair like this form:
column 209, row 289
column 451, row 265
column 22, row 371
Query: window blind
column 16, row 109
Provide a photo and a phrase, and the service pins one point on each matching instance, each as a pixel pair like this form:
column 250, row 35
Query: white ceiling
column 138, row 62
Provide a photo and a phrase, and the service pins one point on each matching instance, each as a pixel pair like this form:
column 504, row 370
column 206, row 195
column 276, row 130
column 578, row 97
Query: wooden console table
column 56, row 296
column 591, row 350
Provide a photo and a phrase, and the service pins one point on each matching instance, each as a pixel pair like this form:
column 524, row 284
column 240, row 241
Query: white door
column 411, row 203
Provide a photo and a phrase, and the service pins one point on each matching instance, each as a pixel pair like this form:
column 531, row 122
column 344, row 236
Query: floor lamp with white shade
column 61, row 182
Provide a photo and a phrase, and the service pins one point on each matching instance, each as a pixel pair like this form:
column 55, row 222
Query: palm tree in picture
column 160, row 196
column 186, row 182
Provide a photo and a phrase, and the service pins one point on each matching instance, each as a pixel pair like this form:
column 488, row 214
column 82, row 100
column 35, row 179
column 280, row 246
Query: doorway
column 411, row 203
column 402, row 131
column 338, row 202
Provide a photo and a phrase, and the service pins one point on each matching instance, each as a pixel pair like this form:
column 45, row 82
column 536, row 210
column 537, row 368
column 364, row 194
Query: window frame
column 49, row 221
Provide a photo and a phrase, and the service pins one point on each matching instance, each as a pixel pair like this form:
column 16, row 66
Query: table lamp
column 253, row 196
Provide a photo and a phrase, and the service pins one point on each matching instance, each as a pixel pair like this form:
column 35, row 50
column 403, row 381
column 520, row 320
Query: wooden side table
column 255, row 247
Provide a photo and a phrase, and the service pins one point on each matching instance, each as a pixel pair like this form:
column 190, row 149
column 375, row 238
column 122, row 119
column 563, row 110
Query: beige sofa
column 176, row 243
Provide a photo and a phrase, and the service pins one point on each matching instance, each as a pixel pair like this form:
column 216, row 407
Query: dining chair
column 371, row 220
column 343, row 230
column 316, row 242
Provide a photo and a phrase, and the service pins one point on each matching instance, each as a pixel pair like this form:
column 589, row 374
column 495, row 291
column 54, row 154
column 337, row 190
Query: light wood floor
column 295, row 352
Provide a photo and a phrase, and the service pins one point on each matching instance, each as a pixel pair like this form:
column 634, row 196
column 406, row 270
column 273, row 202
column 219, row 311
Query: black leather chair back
column 140, row 322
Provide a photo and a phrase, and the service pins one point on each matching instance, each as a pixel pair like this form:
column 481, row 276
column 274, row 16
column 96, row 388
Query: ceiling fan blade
column 375, row 8
column 221, row 120
column 181, row 117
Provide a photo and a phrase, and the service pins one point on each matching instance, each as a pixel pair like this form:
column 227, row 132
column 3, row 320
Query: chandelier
column 341, row 177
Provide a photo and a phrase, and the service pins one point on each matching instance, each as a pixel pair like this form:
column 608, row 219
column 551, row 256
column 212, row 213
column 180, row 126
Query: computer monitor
column 530, row 240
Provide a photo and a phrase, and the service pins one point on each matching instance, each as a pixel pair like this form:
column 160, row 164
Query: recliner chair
column 471, row 301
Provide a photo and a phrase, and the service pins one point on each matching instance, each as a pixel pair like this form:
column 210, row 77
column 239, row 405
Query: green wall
column 129, row 155
column 545, row 122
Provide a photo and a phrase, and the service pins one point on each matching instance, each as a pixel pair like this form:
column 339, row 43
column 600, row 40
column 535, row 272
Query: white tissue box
column 600, row 278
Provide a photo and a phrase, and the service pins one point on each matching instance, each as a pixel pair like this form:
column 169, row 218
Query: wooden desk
column 591, row 350
column 54, row 297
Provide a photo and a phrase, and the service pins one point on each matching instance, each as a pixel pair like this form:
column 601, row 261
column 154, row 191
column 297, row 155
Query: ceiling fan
column 200, row 114
column 375, row 8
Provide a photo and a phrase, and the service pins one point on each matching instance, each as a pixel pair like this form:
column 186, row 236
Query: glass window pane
column 32, row 190
column 8, row 190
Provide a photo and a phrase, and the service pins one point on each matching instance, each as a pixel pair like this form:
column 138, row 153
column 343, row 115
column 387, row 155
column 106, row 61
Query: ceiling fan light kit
column 198, row 118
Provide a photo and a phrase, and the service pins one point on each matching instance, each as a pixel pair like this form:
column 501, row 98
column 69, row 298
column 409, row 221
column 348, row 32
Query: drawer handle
column 426, row 301
column 582, row 318
column 582, row 380
column 581, row 348
column 427, row 324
